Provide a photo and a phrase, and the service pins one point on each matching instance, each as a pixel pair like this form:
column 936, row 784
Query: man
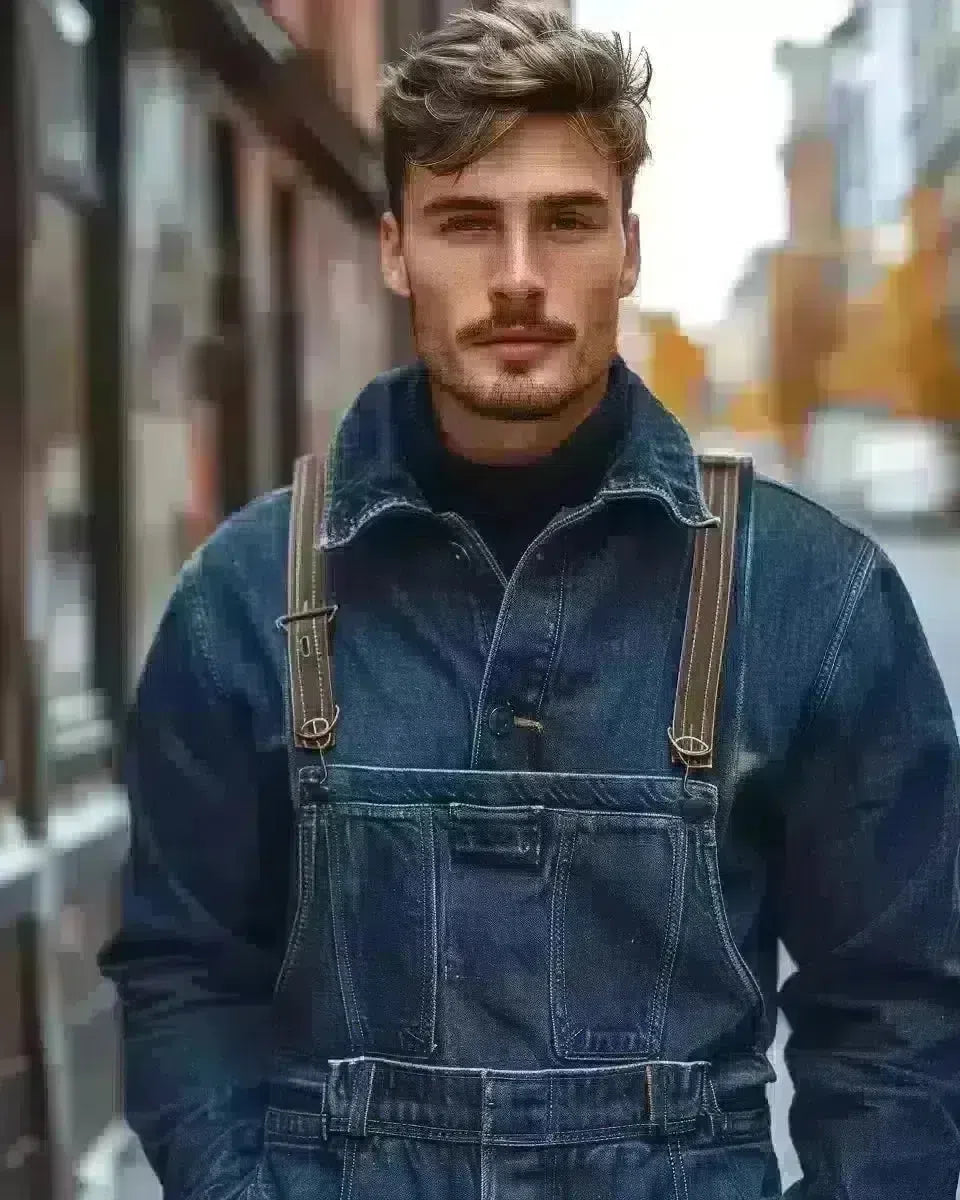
column 455, row 869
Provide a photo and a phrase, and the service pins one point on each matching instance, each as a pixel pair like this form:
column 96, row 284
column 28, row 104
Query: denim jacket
column 836, row 787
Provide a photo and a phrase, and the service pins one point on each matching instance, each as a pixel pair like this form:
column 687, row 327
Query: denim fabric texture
column 462, row 957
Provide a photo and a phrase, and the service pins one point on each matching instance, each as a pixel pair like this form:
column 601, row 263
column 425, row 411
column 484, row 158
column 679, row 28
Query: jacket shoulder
column 789, row 522
column 807, row 565
column 250, row 539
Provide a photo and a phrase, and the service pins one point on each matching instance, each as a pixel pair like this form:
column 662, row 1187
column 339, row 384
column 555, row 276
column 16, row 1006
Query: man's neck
column 479, row 438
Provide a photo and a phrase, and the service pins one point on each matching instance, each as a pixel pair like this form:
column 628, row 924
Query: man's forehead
column 536, row 158
column 515, row 189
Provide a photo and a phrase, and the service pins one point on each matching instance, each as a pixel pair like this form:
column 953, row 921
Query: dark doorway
column 227, row 375
column 287, row 334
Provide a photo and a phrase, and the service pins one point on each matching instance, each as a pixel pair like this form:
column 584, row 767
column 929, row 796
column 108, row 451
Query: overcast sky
column 718, row 112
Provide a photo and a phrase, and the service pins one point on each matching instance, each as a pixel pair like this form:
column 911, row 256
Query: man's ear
column 392, row 263
column 631, row 258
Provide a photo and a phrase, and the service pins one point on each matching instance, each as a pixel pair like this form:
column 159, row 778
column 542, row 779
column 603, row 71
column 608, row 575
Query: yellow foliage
column 677, row 368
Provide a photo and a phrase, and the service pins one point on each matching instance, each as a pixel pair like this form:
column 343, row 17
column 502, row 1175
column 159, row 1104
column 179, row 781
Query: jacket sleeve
column 869, row 910
column 197, row 953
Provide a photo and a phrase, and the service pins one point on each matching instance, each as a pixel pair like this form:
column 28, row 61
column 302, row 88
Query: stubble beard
column 511, row 395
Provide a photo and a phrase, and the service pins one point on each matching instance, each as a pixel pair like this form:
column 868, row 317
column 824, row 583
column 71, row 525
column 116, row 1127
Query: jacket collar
column 367, row 477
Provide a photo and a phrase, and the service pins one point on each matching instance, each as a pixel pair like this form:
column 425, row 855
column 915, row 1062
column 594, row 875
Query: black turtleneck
column 510, row 505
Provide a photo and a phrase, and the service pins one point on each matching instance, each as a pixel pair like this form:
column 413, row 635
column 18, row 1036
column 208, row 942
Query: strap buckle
column 319, row 730
column 689, row 749
column 327, row 612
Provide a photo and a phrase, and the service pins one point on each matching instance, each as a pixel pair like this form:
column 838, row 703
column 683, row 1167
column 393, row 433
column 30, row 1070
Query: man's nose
column 518, row 278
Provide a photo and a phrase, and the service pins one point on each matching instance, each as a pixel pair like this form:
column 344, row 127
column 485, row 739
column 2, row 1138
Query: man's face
column 514, row 270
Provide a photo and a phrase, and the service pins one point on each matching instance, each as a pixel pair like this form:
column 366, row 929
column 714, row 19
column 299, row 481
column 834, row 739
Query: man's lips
column 523, row 337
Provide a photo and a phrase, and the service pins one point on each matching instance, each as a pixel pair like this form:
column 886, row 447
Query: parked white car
column 882, row 466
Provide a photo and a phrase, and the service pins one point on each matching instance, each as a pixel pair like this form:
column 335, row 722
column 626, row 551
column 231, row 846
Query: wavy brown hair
column 460, row 88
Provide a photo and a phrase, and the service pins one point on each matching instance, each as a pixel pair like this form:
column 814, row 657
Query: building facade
column 935, row 125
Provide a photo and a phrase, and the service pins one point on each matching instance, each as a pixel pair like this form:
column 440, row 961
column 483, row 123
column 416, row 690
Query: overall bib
column 480, row 964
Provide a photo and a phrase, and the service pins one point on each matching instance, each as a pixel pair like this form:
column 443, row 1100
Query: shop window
column 172, row 466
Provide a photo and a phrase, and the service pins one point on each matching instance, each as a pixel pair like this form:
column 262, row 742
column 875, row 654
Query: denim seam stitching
column 673, row 1169
column 722, row 919
column 856, row 587
column 303, row 898
column 434, row 930
column 488, row 667
column 344, row 972
column 556, row 635
column 559, row 1137
column 349, row 1167
column 340, row 538
column 631, row 776
column 474, row 1073
column 683, row 1171
column 427, row 966
column 355, row 1101
column 617, row 491
column 677, row 902
column 199, row 624
column 370, row 1085
column 565, row 864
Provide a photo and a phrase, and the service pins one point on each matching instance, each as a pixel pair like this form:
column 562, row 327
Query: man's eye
column 467, row 224
column 565, row 222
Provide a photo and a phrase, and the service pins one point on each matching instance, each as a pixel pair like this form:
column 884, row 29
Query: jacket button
column 500, row 720
column 461, row 556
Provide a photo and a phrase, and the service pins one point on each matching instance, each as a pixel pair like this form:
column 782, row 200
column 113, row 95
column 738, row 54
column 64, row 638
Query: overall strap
column 692, row 733
column 310, row 615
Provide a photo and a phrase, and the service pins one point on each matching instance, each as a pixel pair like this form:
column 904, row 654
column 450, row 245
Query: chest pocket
column 615, row 918
column 643, row 963
column 383, row 910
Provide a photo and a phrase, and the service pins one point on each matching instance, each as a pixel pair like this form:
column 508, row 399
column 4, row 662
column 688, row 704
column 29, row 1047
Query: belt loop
column 324, row 1111
column 653, row 1095
column 360, row 1103
column 716, row 1116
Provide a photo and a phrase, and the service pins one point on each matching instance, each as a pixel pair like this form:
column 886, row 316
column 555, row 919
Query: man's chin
column 512, row 398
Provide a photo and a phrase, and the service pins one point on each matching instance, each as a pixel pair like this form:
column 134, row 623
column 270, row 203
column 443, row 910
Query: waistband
column 362, row 1096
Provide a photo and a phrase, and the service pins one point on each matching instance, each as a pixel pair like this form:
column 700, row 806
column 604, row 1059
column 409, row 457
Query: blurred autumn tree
column 677, row 371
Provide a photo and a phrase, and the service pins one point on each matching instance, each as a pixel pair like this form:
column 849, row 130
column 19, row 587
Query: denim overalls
column 496, row 984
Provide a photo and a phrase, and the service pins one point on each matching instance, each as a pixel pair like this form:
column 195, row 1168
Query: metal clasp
column 328, row 612
column 691, row 750
column 689, row 746
column 319, row 730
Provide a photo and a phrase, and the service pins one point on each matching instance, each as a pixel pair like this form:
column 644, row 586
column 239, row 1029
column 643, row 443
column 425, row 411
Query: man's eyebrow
column 575, row 200
column 450, row 204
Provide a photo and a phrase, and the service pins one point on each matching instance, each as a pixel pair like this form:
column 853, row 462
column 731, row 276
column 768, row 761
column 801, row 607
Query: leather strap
column 308, row 622
column 692, row 733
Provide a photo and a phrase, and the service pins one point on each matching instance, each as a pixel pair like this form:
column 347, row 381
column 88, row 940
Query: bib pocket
column 382, row 881
column 615, row 922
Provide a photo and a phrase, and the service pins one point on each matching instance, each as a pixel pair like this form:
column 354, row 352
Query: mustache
column 480, row 332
